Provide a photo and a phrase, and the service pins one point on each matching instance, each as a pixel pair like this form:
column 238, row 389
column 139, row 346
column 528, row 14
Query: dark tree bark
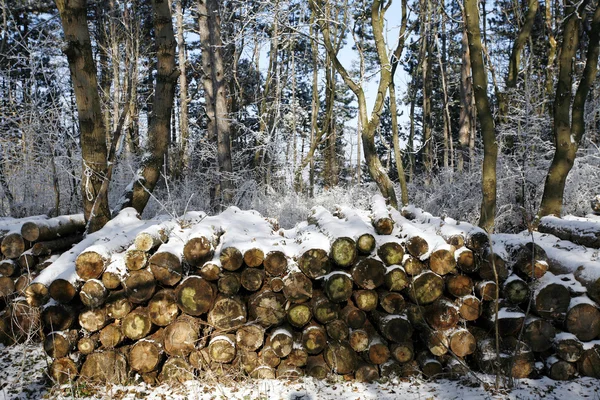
column 94, row 150
column 138, row 193
column 569, row 124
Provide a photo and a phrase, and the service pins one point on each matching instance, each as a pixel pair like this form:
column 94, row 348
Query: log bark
column 231, row 259
column 552, row 301
column 60, row 344
column 369, row 273
column 314, row 263
column 267, row 308
column 103, row 367
column 63, row 371
column 539, row 334
column 195, row 296
column 338, row 287
column 118, row 305
column 163, row 308
column 254, row 257
column 53, row 228
column 391, row 253
column 530, row 260
column 229, row 283
column 58, row 317
column 395, row 328
column 62, row 291
column 275, row 263
column 93, row 320
column 340, row 358
column 181, row 336
column 365, row 244
column 252, row 279
column 583, row 320
column 221, row 348
column 140, row 286
column 228, row 313
column 93, row 294
column 298, row 288
column 589, row 236
column 137, row 324
column 251, row 337
column 146, row 355
column 111, row 336
column 299, row 315
column 426, row 288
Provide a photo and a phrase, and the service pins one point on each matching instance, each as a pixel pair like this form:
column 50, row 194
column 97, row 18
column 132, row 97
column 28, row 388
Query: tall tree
column 209, row 24
column 78, row 49
column 485, row 116
column 569, row 123
column 138, row 192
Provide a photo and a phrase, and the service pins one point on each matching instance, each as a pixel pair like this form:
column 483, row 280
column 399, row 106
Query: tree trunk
column 138, row 193
column 466, row 122
column 94, row 150
column 209, row 23
column 569, row 124
column 484, row 113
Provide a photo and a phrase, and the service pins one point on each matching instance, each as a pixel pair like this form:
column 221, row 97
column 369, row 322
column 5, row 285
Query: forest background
column 486, row 111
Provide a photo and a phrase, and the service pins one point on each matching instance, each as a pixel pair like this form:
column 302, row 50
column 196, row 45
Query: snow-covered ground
column 22, row 376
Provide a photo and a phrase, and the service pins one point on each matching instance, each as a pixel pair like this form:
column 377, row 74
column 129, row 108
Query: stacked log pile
column 28, row 246
column 358, row 294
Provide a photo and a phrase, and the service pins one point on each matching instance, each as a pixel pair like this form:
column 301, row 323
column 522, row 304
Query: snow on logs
column 347, row 292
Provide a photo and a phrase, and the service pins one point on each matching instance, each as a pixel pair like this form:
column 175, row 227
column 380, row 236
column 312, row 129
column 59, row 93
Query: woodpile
column 358, row 294
column 28, row 246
